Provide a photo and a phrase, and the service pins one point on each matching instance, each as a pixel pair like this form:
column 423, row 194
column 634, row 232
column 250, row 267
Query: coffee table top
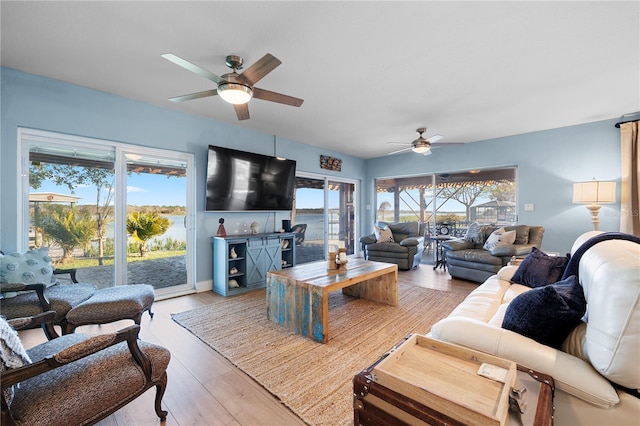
column 318, row 274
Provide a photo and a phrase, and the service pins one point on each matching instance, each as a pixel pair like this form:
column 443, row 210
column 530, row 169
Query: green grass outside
column 80, row 262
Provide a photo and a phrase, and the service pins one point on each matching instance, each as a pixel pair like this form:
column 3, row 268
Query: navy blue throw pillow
column 539, row 269
column 547, row 314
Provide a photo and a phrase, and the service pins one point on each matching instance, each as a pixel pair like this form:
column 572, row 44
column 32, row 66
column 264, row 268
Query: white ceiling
column 369, row 72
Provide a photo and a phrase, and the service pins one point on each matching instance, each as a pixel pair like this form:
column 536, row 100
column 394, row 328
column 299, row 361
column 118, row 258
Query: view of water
column 315, row 225
column 176, row 230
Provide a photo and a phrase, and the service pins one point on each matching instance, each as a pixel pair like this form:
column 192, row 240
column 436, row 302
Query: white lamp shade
column 594, row 192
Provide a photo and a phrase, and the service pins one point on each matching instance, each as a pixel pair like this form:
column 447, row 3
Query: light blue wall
column 34, row 102
column 548, row 163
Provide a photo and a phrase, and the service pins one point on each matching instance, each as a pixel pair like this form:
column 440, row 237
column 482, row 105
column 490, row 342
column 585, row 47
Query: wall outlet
column 528, row 207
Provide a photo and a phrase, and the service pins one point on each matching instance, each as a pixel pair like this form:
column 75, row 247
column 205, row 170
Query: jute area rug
column 313, row 379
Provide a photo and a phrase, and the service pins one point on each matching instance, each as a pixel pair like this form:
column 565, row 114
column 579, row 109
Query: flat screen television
column 245, row 181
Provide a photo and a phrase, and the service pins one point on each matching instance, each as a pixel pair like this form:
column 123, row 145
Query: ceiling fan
column 237, row 89
column 420, row 145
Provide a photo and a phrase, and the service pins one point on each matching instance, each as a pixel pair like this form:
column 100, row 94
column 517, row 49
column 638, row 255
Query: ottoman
column 112, row 304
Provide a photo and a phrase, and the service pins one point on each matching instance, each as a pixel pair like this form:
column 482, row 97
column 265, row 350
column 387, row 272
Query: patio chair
column 299, row 230
column 75, row 378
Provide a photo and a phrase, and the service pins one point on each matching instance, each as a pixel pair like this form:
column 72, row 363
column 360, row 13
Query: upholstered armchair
column 75, row 378
column 404, row 247
column 29, row 286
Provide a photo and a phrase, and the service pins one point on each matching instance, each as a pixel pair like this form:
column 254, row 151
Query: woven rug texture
column 313, row 379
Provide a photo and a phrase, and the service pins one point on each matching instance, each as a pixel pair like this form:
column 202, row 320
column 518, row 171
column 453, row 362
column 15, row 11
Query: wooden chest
column 401, row 388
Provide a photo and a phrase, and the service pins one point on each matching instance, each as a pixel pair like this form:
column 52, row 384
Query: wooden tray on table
column 445, row 378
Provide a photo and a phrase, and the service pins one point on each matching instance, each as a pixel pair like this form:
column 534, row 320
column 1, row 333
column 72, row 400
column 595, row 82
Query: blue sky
column 148, row 189
column 142, row 189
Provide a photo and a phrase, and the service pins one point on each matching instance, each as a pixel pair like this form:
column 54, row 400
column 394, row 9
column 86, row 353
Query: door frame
column 356, row 206
column 26, row 135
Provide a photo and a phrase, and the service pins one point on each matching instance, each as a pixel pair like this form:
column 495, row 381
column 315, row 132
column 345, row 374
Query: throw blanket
column 12, row 353
column 574, row 262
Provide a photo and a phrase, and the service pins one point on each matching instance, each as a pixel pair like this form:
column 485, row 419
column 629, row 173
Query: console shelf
column 241, row 262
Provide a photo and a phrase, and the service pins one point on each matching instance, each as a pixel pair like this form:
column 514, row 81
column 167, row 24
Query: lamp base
column 594, row 209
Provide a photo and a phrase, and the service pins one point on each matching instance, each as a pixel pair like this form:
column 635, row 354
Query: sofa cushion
column 383, row 234
column 31, row 267
column 522, row 233
column 499, row 238
column 477, row 234
column 539, row 269
column 388, row 248
column 402, row 230
column 547, row 314
column 475, row 255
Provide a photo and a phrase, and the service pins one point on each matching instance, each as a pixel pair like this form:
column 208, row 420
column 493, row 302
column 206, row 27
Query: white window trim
column 25, row 135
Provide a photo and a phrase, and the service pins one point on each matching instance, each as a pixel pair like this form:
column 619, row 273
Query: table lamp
column 594, row 193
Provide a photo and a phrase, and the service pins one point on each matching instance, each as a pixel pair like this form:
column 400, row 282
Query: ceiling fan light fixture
column 421, row 149
column 235, row 93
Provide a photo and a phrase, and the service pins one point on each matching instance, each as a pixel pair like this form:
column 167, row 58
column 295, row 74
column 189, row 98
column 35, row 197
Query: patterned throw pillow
column 32, row 267
column 539, row 269
column 547, row 314
column 498, row 238
column 383, row 235
column 12, row 353
column 476, row 233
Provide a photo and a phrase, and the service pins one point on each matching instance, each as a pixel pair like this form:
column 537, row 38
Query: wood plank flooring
column 204, row 388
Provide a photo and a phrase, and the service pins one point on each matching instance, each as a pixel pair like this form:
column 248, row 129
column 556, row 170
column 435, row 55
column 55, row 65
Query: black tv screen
column 241, row 181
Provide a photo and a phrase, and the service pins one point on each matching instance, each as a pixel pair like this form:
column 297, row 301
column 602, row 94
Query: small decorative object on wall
column 221, row 231
column 330, row 163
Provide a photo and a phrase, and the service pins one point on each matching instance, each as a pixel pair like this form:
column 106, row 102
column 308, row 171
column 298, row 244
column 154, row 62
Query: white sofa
column 598, row 357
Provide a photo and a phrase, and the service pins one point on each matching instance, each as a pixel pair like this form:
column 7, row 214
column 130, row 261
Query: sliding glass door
column 117, row 213
column 325, row 212
column 156, row 219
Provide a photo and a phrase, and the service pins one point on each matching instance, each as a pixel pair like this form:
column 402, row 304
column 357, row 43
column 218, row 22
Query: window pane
column 71, row 209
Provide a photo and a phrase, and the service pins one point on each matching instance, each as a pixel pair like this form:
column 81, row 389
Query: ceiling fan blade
column 192, row 67
column 261, row 68
column 242, row 111
column 434, row 138
column 268, row 95
column 196, row 95
column 441, row 144
column 399, row 151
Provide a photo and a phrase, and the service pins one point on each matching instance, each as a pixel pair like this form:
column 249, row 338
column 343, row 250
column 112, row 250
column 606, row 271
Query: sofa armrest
column 71, row 271
column 38, row 288
column 457, row 244
column 412, row 241
column 368, row 239
column 512, row 250
column 45, row 320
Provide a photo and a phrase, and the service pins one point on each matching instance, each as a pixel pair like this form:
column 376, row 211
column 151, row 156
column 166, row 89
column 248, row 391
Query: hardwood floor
column 204, row 388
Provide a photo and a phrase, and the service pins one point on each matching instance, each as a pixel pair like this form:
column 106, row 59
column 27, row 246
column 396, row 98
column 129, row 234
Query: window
column 113, row 211
column 451, row 199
